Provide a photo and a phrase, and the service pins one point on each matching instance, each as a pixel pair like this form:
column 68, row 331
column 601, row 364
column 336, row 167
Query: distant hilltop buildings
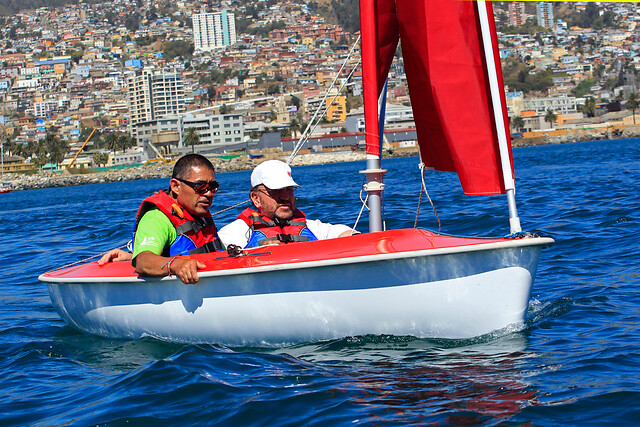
column 544, row 14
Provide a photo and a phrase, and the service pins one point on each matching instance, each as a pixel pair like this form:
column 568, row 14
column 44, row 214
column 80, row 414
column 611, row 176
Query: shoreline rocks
column 163, row 170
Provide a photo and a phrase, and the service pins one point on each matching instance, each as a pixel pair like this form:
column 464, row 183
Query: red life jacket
column 194, row 235
column 264, row 229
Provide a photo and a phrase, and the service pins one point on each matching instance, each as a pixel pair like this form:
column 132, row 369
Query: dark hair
column 183, row 166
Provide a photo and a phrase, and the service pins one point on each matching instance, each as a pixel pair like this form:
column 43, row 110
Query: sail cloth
column 448, row 84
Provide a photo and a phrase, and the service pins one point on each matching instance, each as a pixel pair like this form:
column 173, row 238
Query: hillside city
column 91, row 84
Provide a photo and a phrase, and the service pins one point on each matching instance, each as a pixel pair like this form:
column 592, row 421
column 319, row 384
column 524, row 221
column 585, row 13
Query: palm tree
column 518, row 123
column 550, row 117
column 191, row 137
column 112, row 142
column 633, row 102
column 126, row 141
column 100, row 158
column 55, row 147
column 589, row 107
column 294, row 125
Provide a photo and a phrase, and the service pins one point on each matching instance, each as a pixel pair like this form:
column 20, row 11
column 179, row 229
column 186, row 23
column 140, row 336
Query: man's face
column 195, row 203
column 274, row 204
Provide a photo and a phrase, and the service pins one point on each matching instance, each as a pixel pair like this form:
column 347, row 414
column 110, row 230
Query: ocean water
column 576, row 361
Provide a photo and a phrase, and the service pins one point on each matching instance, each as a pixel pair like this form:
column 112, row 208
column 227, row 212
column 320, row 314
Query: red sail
column 448, row 84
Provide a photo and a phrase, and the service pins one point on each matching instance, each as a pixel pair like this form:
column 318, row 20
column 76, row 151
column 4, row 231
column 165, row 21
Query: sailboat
column 407, row 282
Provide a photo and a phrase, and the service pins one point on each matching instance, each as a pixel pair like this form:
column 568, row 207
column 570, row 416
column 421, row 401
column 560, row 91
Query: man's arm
column 155, row 232
column 150, row 264
column 324, row 230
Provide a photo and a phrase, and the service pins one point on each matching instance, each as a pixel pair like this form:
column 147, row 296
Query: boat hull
column 455, row 291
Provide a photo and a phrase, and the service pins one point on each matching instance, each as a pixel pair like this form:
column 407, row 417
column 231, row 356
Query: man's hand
column 150, row 264
column 114, row 255
column 186, row 270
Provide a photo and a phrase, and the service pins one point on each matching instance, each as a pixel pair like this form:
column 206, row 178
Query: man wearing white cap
column 275, row 219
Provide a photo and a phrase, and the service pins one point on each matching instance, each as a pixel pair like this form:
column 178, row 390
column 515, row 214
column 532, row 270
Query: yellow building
column 337, row 111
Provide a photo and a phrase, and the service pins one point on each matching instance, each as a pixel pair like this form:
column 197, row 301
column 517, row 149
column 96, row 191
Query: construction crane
column 80, row 150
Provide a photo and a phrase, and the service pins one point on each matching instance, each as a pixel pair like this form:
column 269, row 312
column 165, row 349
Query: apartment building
column 154, row 93
column 214, row 131
column 544, row 13
column 213, row 30
column 517, row 16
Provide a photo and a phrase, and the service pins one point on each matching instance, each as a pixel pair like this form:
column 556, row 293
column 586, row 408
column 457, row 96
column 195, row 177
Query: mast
column 374, row 185
column 507, row 172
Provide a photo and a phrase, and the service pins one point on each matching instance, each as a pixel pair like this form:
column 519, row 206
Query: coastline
column 41, row 179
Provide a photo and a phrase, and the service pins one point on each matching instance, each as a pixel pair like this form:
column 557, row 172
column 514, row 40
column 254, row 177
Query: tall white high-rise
column 213, row 30
column 154, row 93
column 544, row 12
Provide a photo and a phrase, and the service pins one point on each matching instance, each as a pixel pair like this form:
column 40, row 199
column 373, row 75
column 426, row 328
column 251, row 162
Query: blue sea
column 576, row 361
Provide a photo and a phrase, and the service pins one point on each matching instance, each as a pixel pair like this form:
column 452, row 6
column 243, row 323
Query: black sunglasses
column 201, row 187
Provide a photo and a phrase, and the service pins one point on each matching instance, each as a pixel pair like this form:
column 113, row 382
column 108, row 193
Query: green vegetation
column 583, row 87
column 191, row 137
column 529, row 27
column 50, row 149
column 517, row 122
column 178, row 48
column 550, row 117
column 518, row 77
column 9, row 7
column 589, row 107
column 100, row 159
column 347, row 14
column 593, row 17
column 632, row 103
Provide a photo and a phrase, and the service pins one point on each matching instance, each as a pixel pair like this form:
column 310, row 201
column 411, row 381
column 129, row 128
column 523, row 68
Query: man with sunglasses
column 175, row 222
column 275, row 219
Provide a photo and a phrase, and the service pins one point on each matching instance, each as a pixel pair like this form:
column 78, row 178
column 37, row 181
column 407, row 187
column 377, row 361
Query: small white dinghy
column 398, row 282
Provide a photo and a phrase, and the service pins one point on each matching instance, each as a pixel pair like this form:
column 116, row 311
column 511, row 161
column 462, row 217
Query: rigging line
column 422, row 168
column 324, row 111
column 231, row 207
column 86, row 259
column 415, row 223
column 364, row 205
column 302, row 137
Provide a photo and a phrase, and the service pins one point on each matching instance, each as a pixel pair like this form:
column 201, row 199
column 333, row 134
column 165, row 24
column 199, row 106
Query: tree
column 111, row 140
column 191, row 137
column 294, row 125
column 177, row 48
column 633, row 102
column 100, row 159
column 125, row 142
column 589, row 107
column 295, row 101
column 550, row 117
column 211, row 93
column 517, row 122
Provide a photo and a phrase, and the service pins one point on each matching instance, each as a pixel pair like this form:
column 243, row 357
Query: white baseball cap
column 273, row 174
